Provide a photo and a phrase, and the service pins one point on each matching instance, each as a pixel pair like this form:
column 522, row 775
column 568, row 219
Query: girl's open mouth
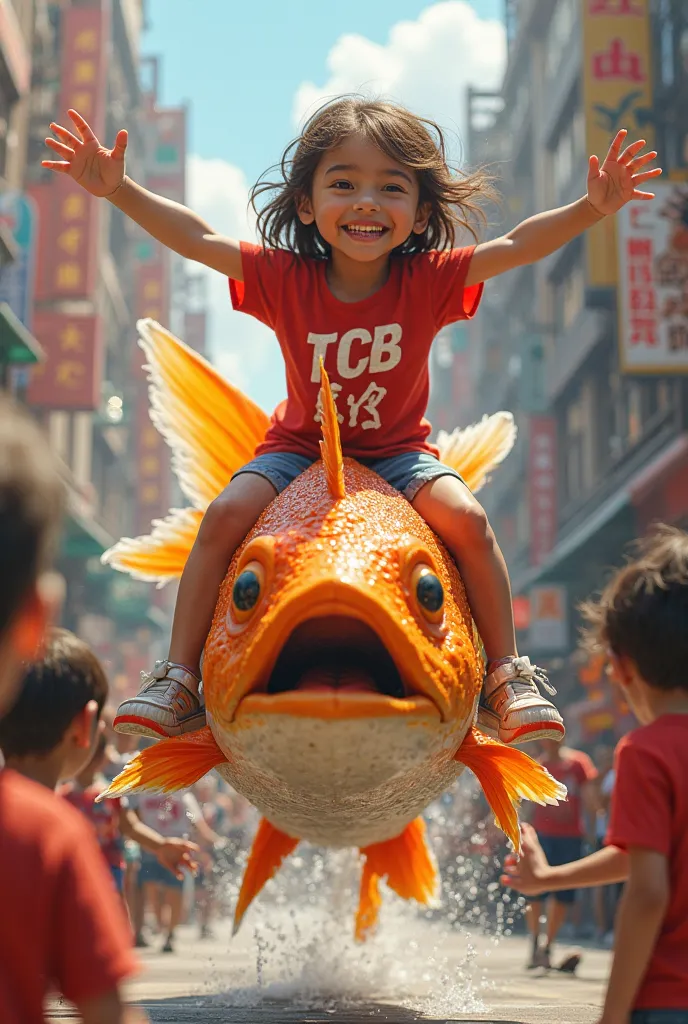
column 365, row 232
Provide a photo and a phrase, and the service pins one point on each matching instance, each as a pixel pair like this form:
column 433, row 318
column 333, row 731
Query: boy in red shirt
column 641, row 619
column 62, row 925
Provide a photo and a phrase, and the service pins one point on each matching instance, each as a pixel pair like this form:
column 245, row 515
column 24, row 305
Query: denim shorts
column 659, row 1017
column 152, row 870
column 561, row 850
column 407, row 472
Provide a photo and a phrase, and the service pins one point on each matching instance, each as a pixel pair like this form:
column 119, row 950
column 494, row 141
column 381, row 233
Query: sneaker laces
column 527, row 676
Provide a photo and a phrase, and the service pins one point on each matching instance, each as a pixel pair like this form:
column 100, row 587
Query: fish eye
column 247, row 589
column 428, row 591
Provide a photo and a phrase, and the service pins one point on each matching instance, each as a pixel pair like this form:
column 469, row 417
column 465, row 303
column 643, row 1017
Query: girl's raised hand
column 616, row 182
column 99, row 170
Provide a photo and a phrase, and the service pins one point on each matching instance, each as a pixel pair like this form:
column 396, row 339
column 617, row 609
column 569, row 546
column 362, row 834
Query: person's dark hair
column 53, row 692
column 642, row 613
column 31, row 501
column 418, row 144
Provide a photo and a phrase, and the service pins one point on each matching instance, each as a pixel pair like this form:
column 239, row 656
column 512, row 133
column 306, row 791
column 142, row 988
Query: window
column 569, row 296
column 561, row 28
column 579, row 442
column 568, row 150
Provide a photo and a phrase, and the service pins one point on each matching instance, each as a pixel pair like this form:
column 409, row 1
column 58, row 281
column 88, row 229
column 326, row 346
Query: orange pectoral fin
column 407, row 864
column 507, row 776
column 169, row 765
column 269, row 849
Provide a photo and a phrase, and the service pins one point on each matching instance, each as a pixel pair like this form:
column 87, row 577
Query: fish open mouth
column 334, row 666
column 335, row 654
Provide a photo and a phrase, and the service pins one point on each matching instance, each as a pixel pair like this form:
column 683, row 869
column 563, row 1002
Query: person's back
column 650, row 810
column 63, row 926
column 58, row 914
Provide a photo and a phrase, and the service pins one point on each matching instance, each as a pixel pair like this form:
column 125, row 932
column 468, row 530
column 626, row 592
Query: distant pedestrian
column 561, row 830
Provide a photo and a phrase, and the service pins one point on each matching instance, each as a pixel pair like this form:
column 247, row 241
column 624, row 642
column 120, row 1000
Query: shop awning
column 17, row 344
column 83, row 537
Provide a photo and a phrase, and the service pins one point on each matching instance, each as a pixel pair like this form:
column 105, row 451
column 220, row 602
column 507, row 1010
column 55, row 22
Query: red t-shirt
column 574, row 769
column 63, row 925
column 104, row 818
column 376, row 351
column 650, row 810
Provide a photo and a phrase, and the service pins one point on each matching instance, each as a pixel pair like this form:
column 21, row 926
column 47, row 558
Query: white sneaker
column 166, row 704
column 514, row 710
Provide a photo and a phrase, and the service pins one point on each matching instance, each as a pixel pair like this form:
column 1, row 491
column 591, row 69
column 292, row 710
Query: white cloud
column 244, row 350
column 426, row 64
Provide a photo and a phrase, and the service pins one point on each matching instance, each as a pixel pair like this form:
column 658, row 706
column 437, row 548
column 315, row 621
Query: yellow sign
column 617, row 93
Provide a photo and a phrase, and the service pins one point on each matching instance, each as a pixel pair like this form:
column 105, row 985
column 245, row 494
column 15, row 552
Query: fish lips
column 424, row 697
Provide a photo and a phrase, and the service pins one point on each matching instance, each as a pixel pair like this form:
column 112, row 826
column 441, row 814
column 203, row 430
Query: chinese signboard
column 548, row 619
column 617, row 94
column 71, row 376
column 166, row 152
column 18, row 213
column 542, row 473
column 74, row 215
column 151, row 452
column 653, row 286
column 195, row 328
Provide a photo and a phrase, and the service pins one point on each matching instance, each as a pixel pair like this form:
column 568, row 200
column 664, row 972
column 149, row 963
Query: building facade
column 588, row 347
column 74, row 284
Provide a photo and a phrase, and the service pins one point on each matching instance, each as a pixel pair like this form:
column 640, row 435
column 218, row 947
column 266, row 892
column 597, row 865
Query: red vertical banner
column 195, row 327
column 70, row 377
column 151, row 452
column 542, row 474
column 72, row 269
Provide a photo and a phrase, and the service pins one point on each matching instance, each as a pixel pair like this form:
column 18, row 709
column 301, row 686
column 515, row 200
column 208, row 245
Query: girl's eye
column 392, row 188
column 341, row 184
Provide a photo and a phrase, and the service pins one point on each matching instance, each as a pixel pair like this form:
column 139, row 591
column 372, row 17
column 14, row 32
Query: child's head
column 372, row 164
column 56, row 714
column 31, row 496
column 641, row 619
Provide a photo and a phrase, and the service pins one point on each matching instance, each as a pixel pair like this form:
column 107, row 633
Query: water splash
column 299, row 934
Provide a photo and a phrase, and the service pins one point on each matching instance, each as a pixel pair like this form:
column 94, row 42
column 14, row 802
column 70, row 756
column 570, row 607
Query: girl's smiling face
column 363, row 202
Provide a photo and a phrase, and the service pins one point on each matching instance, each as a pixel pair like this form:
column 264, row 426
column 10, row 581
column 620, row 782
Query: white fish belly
column 340, row 783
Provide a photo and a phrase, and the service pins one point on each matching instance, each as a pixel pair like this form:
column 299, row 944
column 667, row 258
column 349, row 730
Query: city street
column 454, row 978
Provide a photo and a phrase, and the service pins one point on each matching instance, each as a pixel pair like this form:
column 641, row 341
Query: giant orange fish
column 341, row 694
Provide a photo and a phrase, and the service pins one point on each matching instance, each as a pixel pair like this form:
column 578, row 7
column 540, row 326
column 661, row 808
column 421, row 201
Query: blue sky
column 247, row 70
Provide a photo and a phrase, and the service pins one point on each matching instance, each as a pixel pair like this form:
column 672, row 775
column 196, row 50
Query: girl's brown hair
column 414, row 142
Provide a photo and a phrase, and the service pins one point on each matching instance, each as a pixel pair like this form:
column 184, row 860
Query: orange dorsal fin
column 408, row 866
column 331, row 445
column 476, row 450
column 212, row 429
column 507, row 776
column 169, row 765
column 270, row 847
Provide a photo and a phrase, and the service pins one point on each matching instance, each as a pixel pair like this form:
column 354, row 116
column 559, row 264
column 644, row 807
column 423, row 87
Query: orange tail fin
column 409, row 868
column 269, row 849
column 331, row 445
column 507, row 776
column 169, row 765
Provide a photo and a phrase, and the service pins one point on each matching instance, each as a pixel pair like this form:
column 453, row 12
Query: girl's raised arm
column 101, row 172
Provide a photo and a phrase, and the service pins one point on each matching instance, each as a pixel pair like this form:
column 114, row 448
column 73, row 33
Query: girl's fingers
column 616, row 145
column 631, row 151
column 83, row 126
column 64, row 134
column 120, row 144
column 640, row 161
column 638, row 179
column 642, row 195
column 59, row 148
column 56, row 165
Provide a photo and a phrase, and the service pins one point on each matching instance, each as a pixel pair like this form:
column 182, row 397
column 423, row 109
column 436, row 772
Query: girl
column 358, row 267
